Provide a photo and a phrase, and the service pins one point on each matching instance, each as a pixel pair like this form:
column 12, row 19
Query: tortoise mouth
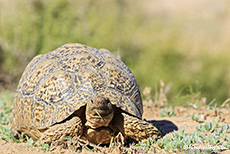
column 100, row 113
column 96, row 121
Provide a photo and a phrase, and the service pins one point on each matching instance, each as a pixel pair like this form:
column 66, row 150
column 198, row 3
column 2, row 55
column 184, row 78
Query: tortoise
column 80, row 92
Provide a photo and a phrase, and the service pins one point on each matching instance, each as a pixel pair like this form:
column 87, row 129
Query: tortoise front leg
column 72, row 128
column 135, row 128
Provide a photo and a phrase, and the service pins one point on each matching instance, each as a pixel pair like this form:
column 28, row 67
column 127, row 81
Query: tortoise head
column 99, row 112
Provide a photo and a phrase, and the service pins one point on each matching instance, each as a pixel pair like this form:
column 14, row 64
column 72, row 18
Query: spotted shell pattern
column 56, row 84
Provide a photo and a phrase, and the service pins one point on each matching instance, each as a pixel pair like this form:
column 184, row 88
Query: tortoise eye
column 91, row 101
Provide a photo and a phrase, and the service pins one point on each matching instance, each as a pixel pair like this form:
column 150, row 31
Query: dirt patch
column 168, row 125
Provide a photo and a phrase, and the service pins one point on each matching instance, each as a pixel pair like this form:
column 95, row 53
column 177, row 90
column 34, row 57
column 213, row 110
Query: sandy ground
column 151, row 113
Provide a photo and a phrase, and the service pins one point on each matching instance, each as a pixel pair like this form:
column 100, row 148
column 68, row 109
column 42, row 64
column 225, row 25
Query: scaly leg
column 72, row 128
column 135, row 128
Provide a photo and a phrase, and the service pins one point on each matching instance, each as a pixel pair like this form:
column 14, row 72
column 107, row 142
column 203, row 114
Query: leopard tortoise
column 80, row 92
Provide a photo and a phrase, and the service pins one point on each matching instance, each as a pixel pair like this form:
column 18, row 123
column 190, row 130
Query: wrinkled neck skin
column 99, row 112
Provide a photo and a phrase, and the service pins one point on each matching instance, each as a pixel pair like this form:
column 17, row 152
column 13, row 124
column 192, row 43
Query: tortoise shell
column 55, row 85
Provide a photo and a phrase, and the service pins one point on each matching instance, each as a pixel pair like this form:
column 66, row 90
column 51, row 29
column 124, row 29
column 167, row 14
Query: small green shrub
column 208, row 126
column 167, row 112
column 195, row 118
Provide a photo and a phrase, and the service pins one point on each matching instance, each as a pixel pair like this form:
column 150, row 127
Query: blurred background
column 185, row 44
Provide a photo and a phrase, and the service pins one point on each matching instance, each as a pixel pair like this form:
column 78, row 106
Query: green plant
column 5, row 112
column 146, row 145
column 211, row 133
column 176, row 142
column 214, row 107
column 167, row 112
column 225, row 128
column 45, row 147
column 30, row 142
column 195, row 118
column 5, row 116
column 208, row 126
column 194, row 93
column 195, row 152
column 6, row 134
column 227, row 143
